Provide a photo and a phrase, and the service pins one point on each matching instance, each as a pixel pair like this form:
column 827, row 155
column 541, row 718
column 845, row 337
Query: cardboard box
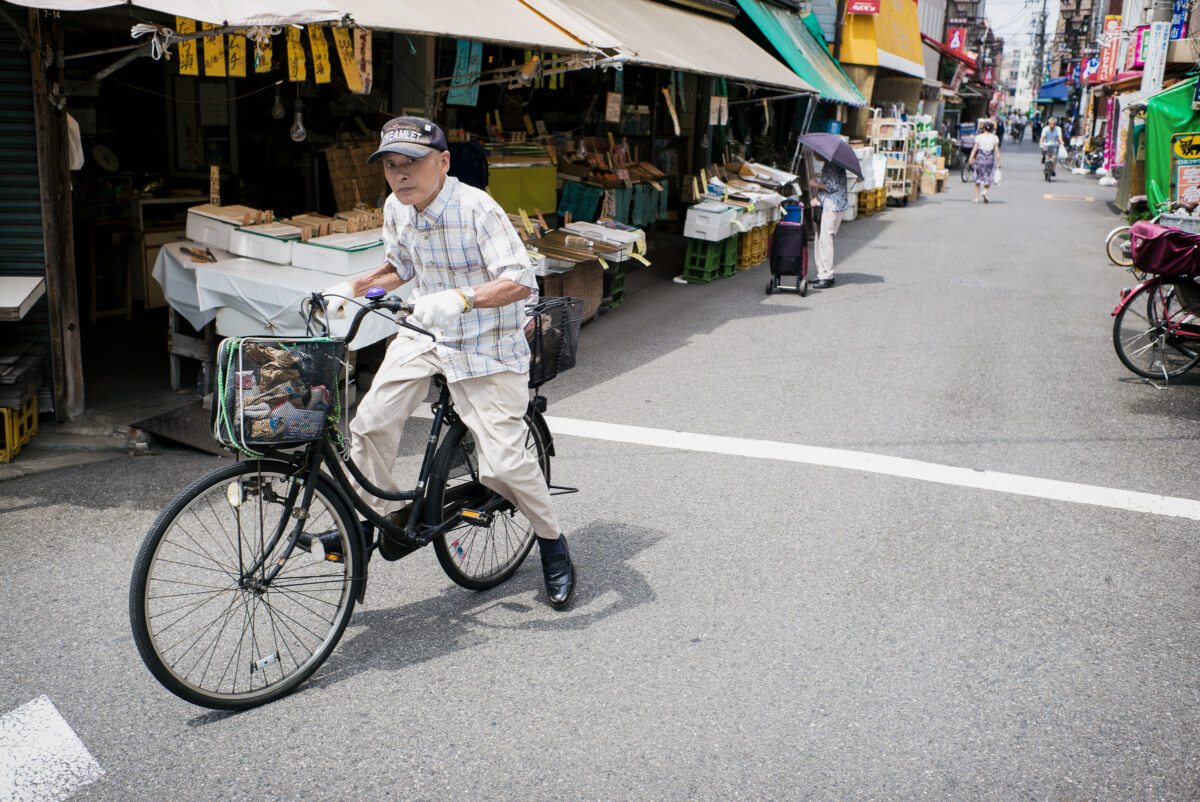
column 341, row 254
column 929, row 183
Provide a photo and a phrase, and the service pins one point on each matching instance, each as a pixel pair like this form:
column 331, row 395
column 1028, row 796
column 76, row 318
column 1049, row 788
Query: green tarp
column 805, row 54
column 1167, row 113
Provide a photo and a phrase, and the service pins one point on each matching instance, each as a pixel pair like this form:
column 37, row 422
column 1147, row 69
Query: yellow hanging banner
column 364, row 59
column 188, row 65
column 214, row 52
column 343, row 43
column 322, row 72
column 297, row 71
column 262, row 54
column 236, row 56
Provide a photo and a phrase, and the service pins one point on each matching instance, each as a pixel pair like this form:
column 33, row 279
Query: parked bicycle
column 1156, row 332
column 246, row 581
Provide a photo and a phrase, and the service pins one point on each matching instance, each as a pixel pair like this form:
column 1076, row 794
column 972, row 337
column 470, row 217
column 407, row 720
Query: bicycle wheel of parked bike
column 473, row 555
column 209, row 621
column 1117, row 246
column 1142, row 334
column 968, row 172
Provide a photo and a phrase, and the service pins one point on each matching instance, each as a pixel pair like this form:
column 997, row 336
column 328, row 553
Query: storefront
column 882, row 54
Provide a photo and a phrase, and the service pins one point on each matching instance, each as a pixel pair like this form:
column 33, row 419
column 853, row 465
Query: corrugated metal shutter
column 21, row 245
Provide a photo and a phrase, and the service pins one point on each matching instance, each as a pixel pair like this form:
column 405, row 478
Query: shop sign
column 987, row 75
column 612, row 107
column 297, row 70
column 1185, row 167
column 1108, row 56
column 957, row 21
column 322, row 69
column 960, row 74
column 188, row 65
column 1154, row 54
column 236, row 53
column 1091, row 68
column 862, row 7
column 343, row 44
column 1179, row 19
column 214, row 52
column 956, row 40
column 1136, row 59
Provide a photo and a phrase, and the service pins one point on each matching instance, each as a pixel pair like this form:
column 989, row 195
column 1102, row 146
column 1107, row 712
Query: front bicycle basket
column 273, row 391
column 553, row 332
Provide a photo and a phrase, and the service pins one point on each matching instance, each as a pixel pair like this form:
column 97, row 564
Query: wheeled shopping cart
column 789, row 257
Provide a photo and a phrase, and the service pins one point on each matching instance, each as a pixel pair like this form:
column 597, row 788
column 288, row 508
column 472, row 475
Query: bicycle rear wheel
column 1117, row 246
column 1143, row 338
column 208, row 624
column 474, row 556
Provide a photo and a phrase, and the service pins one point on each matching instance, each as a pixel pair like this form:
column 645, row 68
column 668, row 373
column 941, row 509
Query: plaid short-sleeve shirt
column 462, row 239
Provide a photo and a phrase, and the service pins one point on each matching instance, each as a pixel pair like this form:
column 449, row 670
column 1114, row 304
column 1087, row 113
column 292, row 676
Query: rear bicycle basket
column 275, row 392
column 553, row 333
column 1164, row 250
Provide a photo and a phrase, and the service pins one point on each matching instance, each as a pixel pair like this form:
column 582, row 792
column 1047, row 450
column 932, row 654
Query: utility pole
column 1038, row 63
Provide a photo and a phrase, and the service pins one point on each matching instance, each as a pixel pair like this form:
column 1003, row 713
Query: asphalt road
column 747, row 627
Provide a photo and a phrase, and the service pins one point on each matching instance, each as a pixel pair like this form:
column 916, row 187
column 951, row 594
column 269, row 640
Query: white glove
column 336, row 299
column 437, row 311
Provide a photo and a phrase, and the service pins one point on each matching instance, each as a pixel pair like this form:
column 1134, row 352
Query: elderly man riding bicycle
column 472, row 278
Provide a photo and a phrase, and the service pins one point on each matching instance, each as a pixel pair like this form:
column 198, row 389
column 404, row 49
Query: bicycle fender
column 543, row 428
column 1130, row 293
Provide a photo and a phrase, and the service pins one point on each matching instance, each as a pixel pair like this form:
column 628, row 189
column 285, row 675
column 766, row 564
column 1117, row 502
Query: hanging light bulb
column 278, row 111
column 298, row 132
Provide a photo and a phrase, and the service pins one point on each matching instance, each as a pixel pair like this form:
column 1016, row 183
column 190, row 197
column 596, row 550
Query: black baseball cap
column 409, row 136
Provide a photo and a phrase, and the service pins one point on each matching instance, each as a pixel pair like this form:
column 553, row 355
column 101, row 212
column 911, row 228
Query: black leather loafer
column 822, row 284
column 560, row 577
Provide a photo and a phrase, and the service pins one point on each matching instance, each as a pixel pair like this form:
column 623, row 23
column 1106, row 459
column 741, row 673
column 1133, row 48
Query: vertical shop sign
column 468, row 64
column 1185, row 167
column 322, row 71
column 297, row 70
column 612, row 107
column 1108, row 56
column 187, row 50
column 262, row 53
column 237, row 56
column 1091, row 68
column 362, row 57
column 214, row 53
column 1154, row 53
column 344, row 45
column 1179, row 19
column 1135, row 57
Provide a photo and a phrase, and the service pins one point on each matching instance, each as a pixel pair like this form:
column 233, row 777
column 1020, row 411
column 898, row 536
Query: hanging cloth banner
column 297, row 71
column 468, row 62
column 362, row 57
column 671, row 108
column 322, row 70
column 262, row 54
column 214, row 53
column 236, row 56
column 344, row 45
column 187, row 50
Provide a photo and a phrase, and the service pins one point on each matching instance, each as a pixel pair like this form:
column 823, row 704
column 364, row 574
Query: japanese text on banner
column 262, row 54
column 237, row 56
column 187, row 50
column 343, row 43
column 214, row 53
column 297, row 70
column 322, row 70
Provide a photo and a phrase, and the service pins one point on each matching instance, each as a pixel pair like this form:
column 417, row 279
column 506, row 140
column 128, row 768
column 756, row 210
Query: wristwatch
column 468, row 295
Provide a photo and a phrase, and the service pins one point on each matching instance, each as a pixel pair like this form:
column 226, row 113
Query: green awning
column 1167, row 113
column 805, row 53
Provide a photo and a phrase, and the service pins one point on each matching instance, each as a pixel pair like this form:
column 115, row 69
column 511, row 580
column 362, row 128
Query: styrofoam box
column 262, row 246
column 209, row 230
column 341, row 254
column 712, row 214
column 713, row 232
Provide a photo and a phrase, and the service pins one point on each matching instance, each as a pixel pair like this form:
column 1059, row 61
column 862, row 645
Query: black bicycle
column 246, row 581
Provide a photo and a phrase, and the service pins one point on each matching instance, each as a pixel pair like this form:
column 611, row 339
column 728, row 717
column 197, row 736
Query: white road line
column 41, row 757
column 879, row 463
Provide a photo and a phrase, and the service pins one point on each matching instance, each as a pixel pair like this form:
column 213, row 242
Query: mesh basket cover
column 553, row 338
column 275, row 391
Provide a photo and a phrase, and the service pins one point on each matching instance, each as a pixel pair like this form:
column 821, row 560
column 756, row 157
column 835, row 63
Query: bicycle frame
column 1170, row 322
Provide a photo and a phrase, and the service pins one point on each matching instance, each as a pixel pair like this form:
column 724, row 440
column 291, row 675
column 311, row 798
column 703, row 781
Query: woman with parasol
column 831, row 190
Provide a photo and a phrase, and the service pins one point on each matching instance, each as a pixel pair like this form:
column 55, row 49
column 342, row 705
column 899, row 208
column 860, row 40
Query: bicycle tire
column 968, row 172
column 1142, row 336
column 473, row 556
column 1116, row 245
column 225, row 655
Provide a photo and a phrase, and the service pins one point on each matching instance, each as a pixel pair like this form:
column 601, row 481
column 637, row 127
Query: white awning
column 664, row 36
column 501, row 21
column 248, row 13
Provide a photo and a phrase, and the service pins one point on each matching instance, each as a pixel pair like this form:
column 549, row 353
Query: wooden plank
column 190, row 347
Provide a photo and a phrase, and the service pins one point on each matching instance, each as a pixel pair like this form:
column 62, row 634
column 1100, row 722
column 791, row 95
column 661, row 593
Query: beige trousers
column 830, row 223
column 493, row 408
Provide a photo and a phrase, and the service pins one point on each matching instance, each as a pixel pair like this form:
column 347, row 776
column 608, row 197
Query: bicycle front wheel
column 1143, row 334
column 474, row 556
column 1117, row 246
column 208, row 621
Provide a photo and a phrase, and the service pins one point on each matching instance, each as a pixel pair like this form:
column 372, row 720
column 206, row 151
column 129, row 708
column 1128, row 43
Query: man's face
column 416, row 182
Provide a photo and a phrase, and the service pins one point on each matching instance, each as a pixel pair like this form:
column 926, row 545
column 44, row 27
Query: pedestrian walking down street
column 1000, row 132
column 834, row 200
column 986, row 158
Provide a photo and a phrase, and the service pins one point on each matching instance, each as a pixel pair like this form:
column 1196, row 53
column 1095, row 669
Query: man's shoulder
column 474, row 198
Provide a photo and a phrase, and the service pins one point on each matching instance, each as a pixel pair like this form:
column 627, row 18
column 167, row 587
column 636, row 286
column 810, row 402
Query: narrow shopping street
column 901, row 538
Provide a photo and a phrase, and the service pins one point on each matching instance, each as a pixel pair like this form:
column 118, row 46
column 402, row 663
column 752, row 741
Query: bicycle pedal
column 475, row 517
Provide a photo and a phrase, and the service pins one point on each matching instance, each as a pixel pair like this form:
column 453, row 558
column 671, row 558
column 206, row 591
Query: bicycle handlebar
column 317, row 313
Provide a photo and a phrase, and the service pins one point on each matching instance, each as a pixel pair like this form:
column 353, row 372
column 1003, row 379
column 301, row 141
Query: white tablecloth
column 265, row 297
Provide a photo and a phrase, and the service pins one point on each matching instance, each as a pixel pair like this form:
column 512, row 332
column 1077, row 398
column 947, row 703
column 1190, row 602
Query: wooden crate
column 585, row 280
column 348, row 171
